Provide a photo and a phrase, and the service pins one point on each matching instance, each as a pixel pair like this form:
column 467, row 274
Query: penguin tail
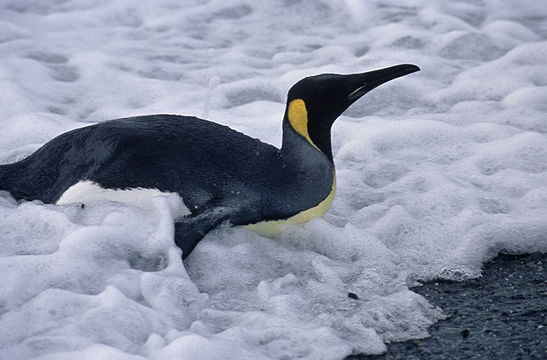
column 10, row 181
column 5, row 178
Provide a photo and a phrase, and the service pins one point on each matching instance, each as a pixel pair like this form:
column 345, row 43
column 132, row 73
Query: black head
column 314, row 103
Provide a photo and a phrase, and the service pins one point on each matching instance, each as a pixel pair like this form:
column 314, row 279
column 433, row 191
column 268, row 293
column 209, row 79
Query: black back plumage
column 206, row 163
column 221, row 174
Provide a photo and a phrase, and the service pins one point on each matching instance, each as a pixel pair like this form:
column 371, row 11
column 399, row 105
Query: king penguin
column 221, row 175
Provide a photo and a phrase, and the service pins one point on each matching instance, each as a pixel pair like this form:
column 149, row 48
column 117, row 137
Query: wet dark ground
column 502, row 315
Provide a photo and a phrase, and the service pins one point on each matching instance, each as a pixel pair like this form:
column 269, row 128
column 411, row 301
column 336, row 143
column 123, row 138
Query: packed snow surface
column 437, row 172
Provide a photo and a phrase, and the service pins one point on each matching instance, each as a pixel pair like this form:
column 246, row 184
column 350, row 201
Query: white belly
column 88, row 192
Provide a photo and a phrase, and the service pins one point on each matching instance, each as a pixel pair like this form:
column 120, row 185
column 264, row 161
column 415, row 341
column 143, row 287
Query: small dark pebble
column 353, row 296
column 465, row 333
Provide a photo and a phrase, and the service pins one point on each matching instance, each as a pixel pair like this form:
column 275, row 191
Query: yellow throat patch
column 298, row 118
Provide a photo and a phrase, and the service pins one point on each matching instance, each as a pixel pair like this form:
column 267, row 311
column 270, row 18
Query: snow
column 437, row 172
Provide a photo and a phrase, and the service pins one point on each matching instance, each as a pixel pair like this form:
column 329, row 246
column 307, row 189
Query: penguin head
column 315, row 102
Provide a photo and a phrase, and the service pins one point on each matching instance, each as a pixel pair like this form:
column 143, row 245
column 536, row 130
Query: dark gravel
column 502, row 315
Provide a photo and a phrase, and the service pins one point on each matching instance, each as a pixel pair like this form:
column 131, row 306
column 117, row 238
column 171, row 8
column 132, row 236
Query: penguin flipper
column 191, row 229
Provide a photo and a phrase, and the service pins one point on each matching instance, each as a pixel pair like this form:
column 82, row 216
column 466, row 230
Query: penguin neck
column 296, row 146
column 297, row 133
column 311, row 172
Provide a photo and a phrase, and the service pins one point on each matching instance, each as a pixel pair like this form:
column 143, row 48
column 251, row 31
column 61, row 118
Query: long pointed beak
column 372, row 79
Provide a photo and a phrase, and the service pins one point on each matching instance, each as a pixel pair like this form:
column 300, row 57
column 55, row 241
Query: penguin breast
column 274, row 227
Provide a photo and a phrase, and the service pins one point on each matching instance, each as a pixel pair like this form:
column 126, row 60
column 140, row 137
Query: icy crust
column 437, row 172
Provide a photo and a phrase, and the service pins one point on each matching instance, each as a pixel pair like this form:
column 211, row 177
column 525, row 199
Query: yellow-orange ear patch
column 298, row 118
